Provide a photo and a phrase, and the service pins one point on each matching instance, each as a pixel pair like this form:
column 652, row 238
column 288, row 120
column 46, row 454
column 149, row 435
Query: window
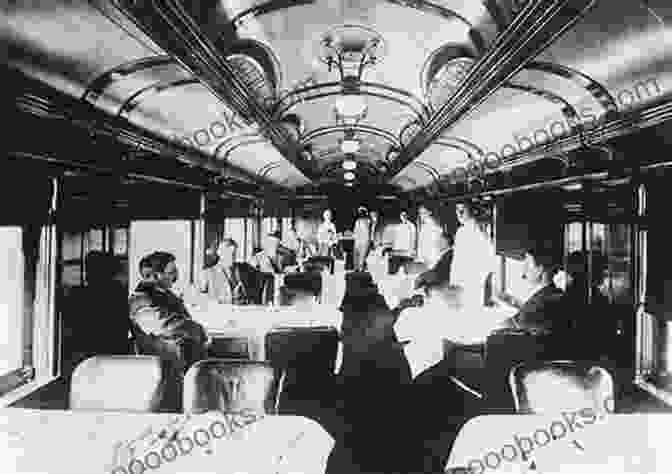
column 234, row 228
column 653, row 364
column 27, row 317
column 11, row 299
column 75, row 246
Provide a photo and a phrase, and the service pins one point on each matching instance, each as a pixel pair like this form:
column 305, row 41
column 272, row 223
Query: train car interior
column 264, row 178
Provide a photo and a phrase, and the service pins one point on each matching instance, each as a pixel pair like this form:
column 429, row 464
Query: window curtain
column 44, row 340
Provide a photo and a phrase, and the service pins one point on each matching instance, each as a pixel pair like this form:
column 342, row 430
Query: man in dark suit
column 543, row 312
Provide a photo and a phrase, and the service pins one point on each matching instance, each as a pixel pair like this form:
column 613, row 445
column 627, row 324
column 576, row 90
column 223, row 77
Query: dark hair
column 275, row 234
column 157, row 261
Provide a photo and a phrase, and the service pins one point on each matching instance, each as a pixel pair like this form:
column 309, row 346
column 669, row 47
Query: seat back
column 232, row 385
column 118, row 383
column 229, row 347
column 507, row 348
column 309, row 350
column 561, row 386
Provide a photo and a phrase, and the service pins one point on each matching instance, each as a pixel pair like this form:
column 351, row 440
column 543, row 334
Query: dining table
column 92, row 442
column 252, row 323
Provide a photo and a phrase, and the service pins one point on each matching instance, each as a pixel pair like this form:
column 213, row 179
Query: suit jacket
column 162, row 326
column 545, row 312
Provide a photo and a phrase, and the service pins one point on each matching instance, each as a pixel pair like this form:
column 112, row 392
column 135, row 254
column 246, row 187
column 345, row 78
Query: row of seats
column 237, row 385
column 294, row 355
column 138, row 384
column 506, row 349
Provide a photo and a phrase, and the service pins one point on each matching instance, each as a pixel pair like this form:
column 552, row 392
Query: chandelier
column 351, row 49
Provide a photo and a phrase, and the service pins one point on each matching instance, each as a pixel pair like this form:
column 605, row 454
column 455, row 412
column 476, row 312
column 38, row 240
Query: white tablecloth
column 254, row 322
column 619, row 444
column 427, row 327
column 55, row 441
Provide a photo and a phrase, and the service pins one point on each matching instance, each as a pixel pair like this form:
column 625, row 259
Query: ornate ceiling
column 285, row 91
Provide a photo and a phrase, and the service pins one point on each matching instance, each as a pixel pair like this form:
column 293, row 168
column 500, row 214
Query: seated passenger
column 271, row 259
column 161, row 323
column 544, row 311
column 224, row 281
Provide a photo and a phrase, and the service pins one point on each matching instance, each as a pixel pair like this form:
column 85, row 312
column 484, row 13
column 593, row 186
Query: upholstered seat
column 506, row 348
column 232, row 385
column 561, row 386
column 303, row 349
column 118, row 383
column 229, row 347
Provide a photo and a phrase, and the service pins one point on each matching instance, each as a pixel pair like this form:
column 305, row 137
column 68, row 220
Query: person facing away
column 160, row 321
column 224, row 281
column 362, row 236
column 326, row 235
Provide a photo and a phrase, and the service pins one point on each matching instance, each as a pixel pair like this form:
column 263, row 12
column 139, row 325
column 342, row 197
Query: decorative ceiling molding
column 135, row 99
column 568, row 110
column 593, row 87
column 103, row 81
column 267, row 7
column 365, row 129
column 625, row 125
column 329, row 89
column 475, row 36
column 168, row 23
column 535, row 28
column 85, row 116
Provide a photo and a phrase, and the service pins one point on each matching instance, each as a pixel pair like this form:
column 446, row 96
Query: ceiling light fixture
column 349, row 164
column 351, row 49
column 350, row 109
column 349, row 176
column 350, row 146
